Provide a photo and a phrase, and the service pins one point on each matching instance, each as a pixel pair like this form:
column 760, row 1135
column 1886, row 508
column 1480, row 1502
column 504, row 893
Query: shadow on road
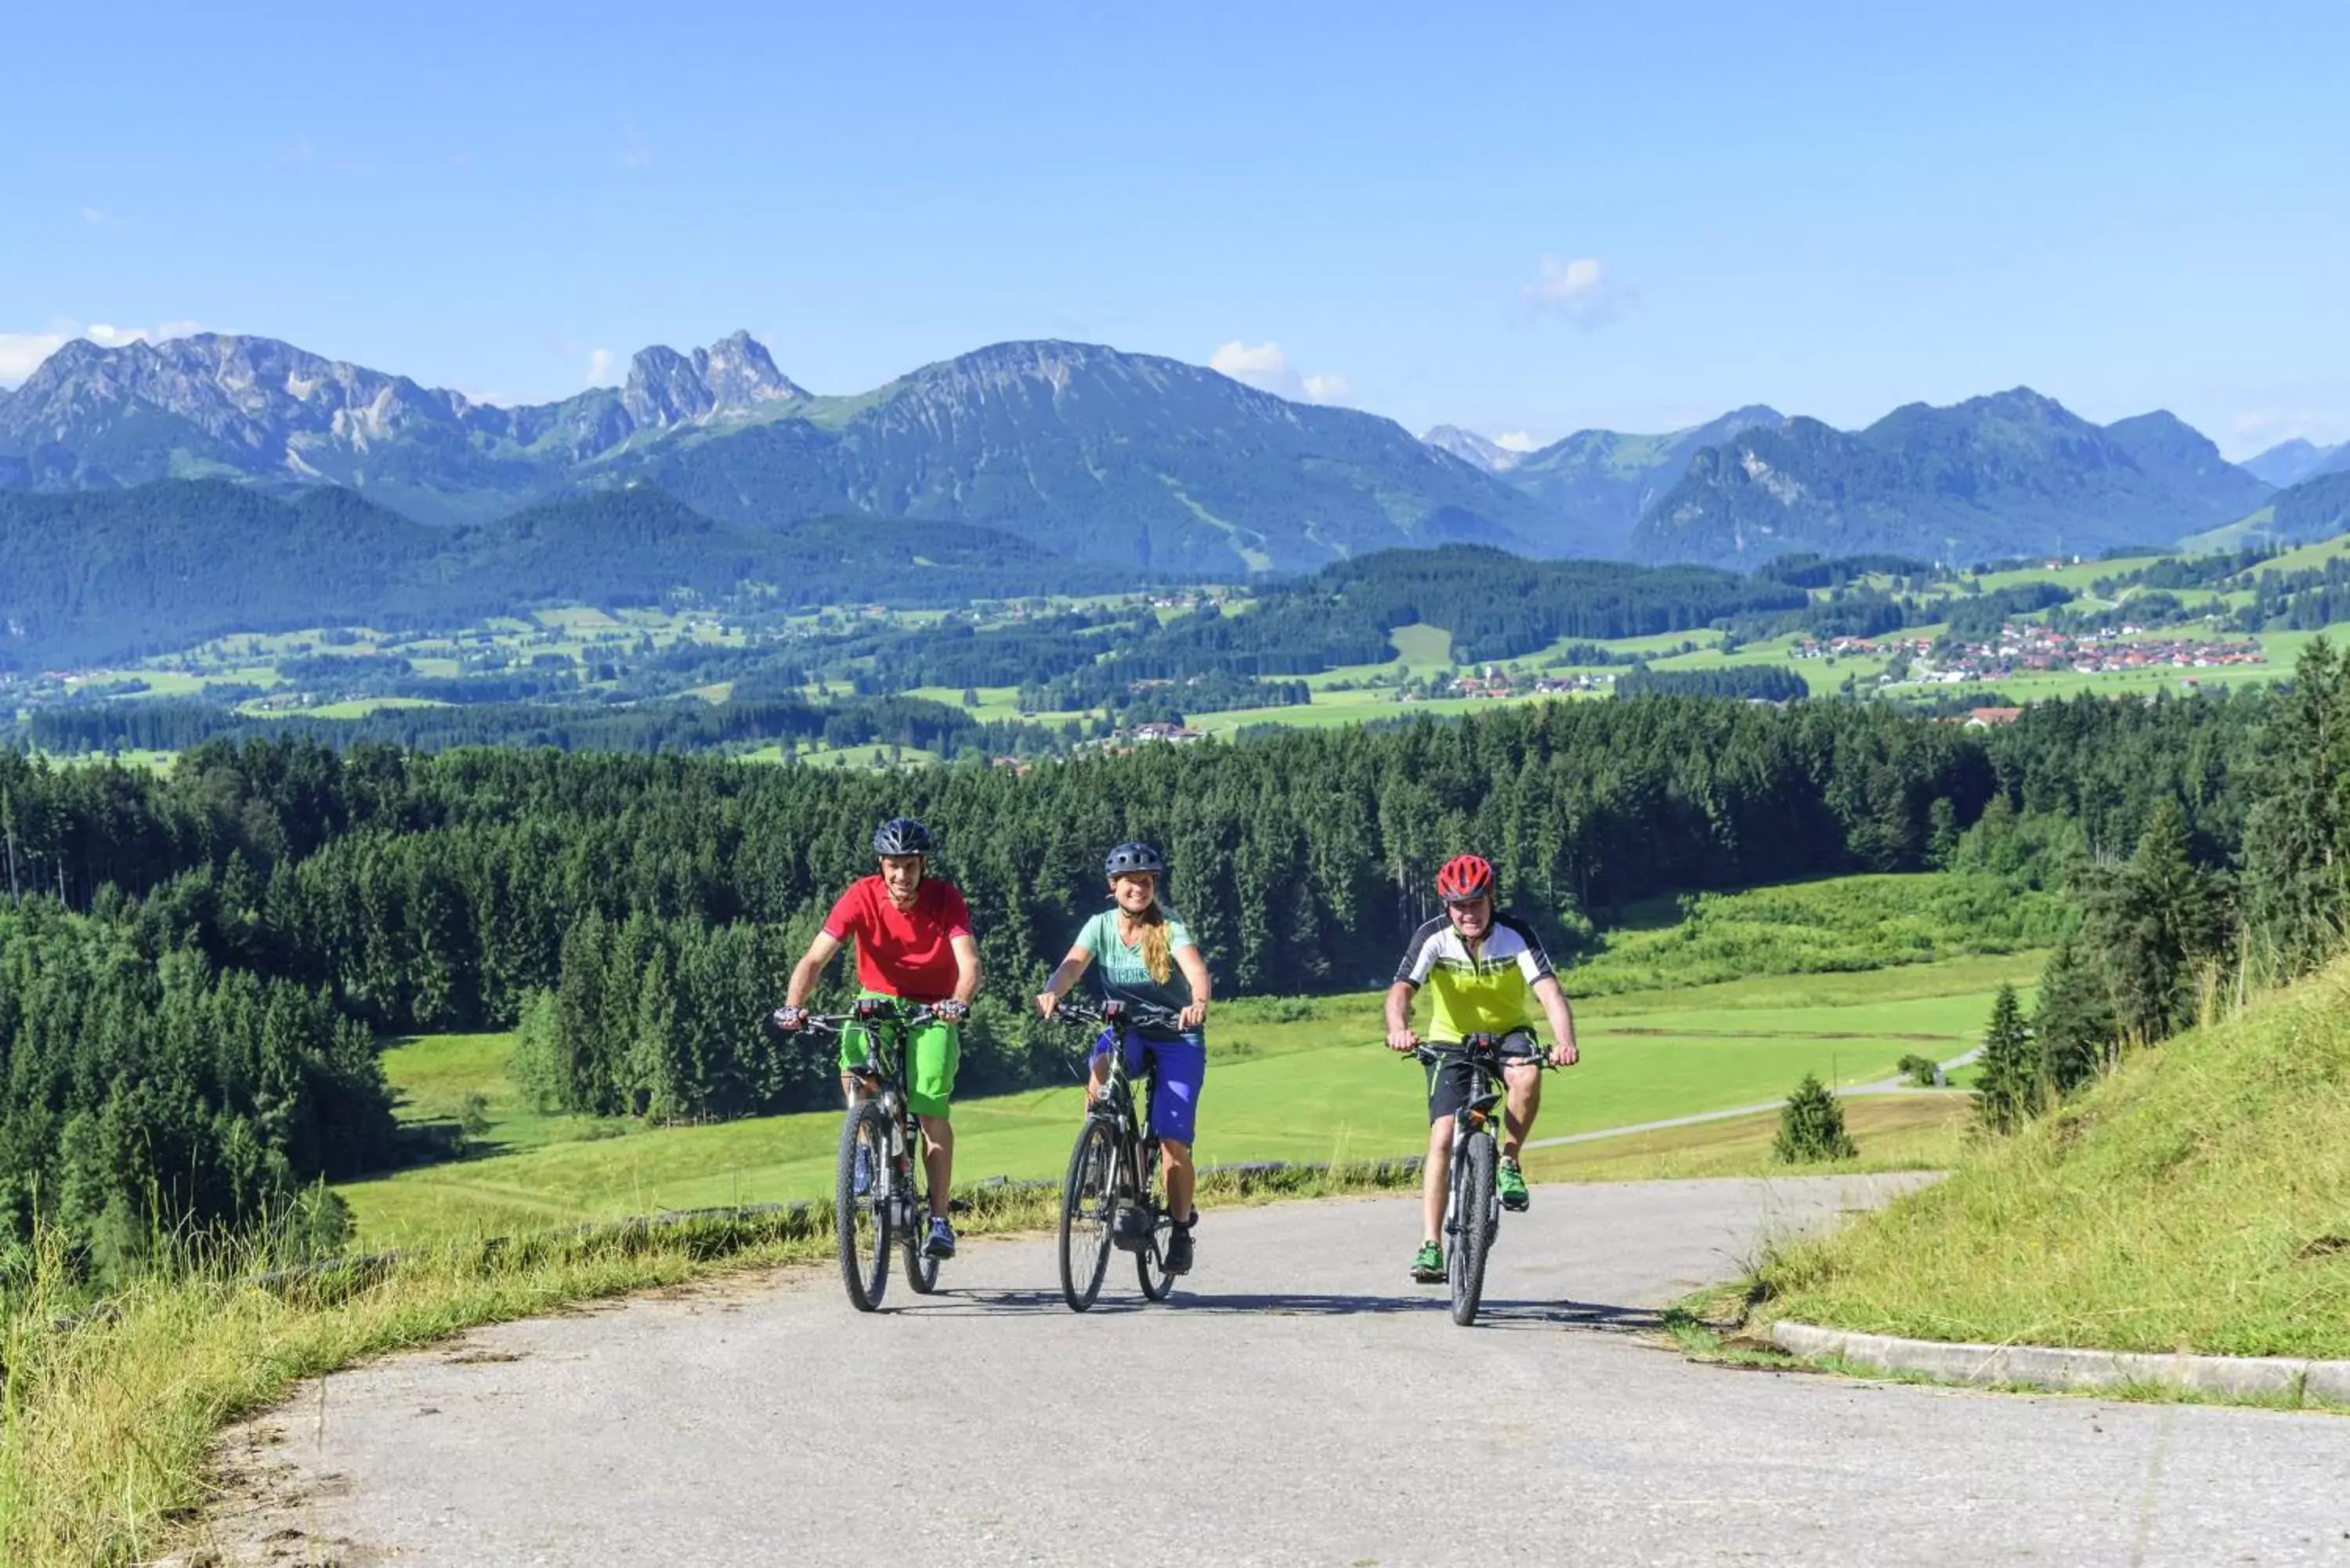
column 1591, row 1316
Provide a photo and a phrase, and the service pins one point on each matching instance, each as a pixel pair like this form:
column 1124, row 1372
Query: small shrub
column 1919, row 1071
column 1811, row 1126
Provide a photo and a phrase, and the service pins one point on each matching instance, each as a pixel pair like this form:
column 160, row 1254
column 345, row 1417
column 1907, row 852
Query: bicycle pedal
column 958, row 1205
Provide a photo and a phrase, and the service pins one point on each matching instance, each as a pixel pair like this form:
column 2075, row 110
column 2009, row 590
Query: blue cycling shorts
column 1177, row 1066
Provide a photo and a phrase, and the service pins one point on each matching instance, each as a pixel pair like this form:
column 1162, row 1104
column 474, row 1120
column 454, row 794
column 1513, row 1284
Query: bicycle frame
column 1137, row 1145
column 887, row 1029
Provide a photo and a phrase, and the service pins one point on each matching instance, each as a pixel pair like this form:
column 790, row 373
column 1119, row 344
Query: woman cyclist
column 1148, row 956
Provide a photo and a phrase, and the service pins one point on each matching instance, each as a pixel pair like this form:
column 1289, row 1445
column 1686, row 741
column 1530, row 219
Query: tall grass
column 2197, row 1199
column 110, row 1404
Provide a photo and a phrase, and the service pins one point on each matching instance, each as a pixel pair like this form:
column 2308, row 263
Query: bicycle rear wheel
column 1472, row 1201
column 1087, row 1199
column 862, row 1219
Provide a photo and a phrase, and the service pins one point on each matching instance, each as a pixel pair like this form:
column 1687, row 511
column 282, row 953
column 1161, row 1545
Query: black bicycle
column 878, row 1193
column 1472, row 1203
column 1111, row 1198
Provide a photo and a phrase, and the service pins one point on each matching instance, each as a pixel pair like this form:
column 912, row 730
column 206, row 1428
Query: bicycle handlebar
column 1436, row 1052
column 1141, row 1014
column 830, row 1024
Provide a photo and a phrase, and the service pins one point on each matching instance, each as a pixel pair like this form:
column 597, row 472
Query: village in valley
column 2028, row 648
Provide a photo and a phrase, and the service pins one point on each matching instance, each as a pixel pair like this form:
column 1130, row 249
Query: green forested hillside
column 102, row 573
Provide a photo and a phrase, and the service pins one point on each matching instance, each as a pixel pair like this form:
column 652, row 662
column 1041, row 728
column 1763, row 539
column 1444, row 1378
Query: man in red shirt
column 914, row 942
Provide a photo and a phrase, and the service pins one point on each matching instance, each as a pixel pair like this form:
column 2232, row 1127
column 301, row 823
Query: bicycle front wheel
column 861, row 1200
column 1473, row 1200
column 1150, row 1264
column 1087, row 1200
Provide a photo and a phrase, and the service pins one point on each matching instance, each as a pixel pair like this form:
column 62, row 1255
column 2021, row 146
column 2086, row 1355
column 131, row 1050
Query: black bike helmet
column 1134, row 857
column 901, row 835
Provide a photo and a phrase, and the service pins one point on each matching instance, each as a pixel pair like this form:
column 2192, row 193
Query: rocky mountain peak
column 1479, row 451
column 733, row 375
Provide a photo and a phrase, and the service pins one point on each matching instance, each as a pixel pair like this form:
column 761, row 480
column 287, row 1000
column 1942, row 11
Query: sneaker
column 941, row 1242
column 861, row 1181
column 1512, row 1183
column 1178, row 1250
column 1428, row 1267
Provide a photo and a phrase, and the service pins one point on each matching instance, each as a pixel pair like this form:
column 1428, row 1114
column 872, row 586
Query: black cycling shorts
column 1448, row 1085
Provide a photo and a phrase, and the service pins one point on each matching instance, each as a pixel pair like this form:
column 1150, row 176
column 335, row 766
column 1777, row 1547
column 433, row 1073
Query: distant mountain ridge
column 2291, row 461
column 2014, row 472
column 1091, row 452
column 1094, row 454
column 1604, row 480
column 1477, row 451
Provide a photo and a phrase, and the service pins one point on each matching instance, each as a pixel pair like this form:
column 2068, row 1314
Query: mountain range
column 2290, row 462
column 2011, row 474
column 1131, row 460
column 1085, row 451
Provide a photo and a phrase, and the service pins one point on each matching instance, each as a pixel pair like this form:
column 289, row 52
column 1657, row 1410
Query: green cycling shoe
column 1428, row 1267
column 1511, row 1182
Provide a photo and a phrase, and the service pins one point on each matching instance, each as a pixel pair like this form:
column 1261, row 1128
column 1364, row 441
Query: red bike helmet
column 1465, row 878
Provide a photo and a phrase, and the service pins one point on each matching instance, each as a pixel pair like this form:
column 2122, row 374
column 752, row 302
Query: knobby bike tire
column 1474, row 1204
column 921, row 1269
column 863, row 1224
column 1088, row 1193
column 1150, row 1264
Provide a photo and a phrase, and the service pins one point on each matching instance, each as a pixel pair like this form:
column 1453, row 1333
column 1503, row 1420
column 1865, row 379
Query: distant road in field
column 1297, row 1402
column 1882, row 1087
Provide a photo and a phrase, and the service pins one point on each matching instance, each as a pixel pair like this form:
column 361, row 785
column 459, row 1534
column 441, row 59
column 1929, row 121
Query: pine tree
column 2011, row 1089
column 2073, row 1024
column 1811, row 1126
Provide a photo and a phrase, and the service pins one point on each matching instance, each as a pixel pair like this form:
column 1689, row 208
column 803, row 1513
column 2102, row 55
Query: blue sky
column 1523, row 219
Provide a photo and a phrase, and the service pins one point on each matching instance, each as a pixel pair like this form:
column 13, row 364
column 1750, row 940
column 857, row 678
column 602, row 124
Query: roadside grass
column 1292, row 1079
column 108, row 1416
column 2198, row 1200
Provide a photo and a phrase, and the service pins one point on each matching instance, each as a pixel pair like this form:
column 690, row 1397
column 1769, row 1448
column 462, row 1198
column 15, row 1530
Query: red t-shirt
column 902, row 953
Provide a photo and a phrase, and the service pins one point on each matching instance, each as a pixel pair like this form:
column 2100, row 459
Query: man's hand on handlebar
column 951, row 1010
column 1403, row 1042
column 1564, row 1055
column 790, row 1020
column 1047, row 1002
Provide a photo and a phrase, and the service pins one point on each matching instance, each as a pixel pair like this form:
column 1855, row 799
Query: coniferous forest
column 197, row 962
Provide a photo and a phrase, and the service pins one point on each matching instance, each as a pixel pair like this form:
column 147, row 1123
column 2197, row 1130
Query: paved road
column 1299, row 1402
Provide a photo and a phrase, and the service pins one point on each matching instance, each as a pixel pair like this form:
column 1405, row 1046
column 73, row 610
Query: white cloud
column 1516, row 441
column 97, row 217
column 1266, row 367
column 1580, row 288
column 600, row 368
column 21, row 353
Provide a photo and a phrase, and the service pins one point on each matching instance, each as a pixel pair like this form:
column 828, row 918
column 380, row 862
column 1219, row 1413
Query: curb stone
column 2234, row 1376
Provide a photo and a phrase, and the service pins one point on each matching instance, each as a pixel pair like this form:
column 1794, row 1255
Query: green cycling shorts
column 933, row 1052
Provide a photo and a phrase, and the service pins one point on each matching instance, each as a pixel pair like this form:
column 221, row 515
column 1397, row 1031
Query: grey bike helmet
column 1134, row 857
column 901, row 835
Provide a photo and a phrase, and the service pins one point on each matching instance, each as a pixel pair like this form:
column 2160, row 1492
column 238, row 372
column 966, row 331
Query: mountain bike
column 1111, row 1197
column 878, row 1193
column 1472, row 1202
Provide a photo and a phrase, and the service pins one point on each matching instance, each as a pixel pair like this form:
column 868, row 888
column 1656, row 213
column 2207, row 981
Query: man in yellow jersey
column 1486, row 970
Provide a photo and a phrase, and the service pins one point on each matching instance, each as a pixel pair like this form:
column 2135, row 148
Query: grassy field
column 2199, row 1199
column 1290, row 1080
